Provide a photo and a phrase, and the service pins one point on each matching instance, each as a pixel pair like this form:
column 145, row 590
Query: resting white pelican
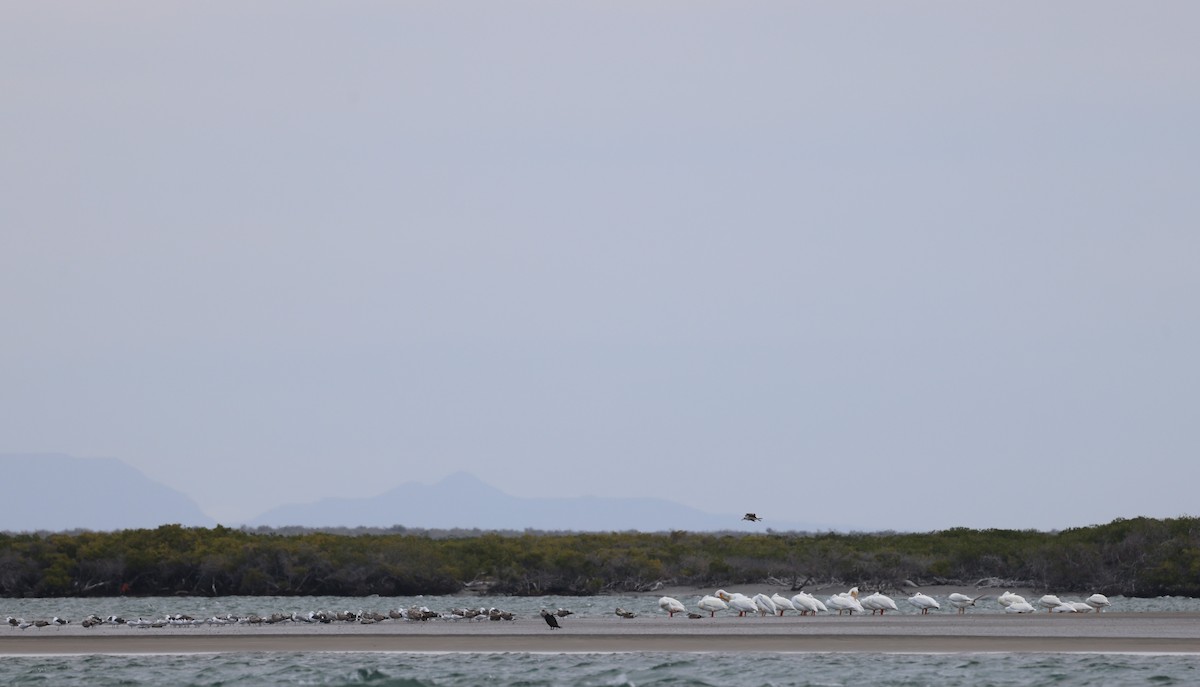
column 923, row 602
column 1081, row 607
column 1050, row 602
column 765, row 605
column 783, row 603
column 1019, row 607
column 1064, row 607
column 846, row 602
column 671, row 606
column 961, row 601
column 1008, row 598
column 738, row 602
column 712, row 604
column 805, row 603
column 1098, row 602
column 879, row 602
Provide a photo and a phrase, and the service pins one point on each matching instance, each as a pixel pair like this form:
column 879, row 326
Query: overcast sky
column 906, row 265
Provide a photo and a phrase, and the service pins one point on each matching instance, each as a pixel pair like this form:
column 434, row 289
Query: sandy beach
column 1109, row 632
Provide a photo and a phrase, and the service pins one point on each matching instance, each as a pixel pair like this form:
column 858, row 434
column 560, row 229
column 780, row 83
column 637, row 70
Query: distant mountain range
column 56, row 492
column 463, row 501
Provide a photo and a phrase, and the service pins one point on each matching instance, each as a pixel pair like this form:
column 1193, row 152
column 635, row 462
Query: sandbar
column 1053, row 633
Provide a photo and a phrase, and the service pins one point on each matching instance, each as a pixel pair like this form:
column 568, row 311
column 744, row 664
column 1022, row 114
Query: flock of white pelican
column 849, row 602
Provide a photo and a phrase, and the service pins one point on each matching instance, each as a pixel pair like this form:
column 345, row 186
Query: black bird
column 551, row 620
column 751, row 517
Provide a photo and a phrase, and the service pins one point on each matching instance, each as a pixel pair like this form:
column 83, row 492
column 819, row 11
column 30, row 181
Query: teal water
column 602, row 670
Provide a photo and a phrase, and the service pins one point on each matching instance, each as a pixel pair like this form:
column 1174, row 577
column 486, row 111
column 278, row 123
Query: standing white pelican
column 738, row 602
column 783, row 603
column 765, row 605
column 879, row 602
column 712, row 604
column 961, row 601
column 846, row 602
column 1098, row 602
column 1050, row 602
column 805, row 603
column 671, row 606
column 923, row 602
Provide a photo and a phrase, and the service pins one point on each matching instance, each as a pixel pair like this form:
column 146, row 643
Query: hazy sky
column 904, row 265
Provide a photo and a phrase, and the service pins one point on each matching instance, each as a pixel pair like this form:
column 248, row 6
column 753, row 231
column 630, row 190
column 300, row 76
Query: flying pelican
column 1098, row 602
column 923, row 602
column 879, row 602
column 961, row 601
column 751, row 517
column 1050, row 602
column 671, row 606
column 712, row 604
column 783, row 603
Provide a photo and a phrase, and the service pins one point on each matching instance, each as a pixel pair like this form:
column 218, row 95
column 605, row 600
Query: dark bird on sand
column 551, row 620
column 751, row 517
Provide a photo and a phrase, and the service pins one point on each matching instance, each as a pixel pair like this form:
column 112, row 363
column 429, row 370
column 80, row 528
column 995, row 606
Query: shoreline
column 1105, row 633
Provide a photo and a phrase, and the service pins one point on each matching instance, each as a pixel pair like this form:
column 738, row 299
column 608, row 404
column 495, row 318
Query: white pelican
column 879, row 602
column 1081, row 607
column 1008, row 598
column 1098, row 602
column 846, row 602
column 712, row 604
column 961, row 601
column 1050, row 602
column 923, row 602
column 765, row 605
column 738, row 602
column 671, row 606
column 1019, row 607
column 783, row 603
column 1064, row 607
column 805, row 603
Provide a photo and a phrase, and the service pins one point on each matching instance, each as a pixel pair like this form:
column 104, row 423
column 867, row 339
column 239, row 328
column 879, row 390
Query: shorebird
column 551, row 619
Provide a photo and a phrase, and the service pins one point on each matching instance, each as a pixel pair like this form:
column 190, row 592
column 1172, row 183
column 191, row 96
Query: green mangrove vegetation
column 1133, row 557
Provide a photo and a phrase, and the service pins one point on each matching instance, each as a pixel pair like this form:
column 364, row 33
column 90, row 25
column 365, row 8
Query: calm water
column 601, row 670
